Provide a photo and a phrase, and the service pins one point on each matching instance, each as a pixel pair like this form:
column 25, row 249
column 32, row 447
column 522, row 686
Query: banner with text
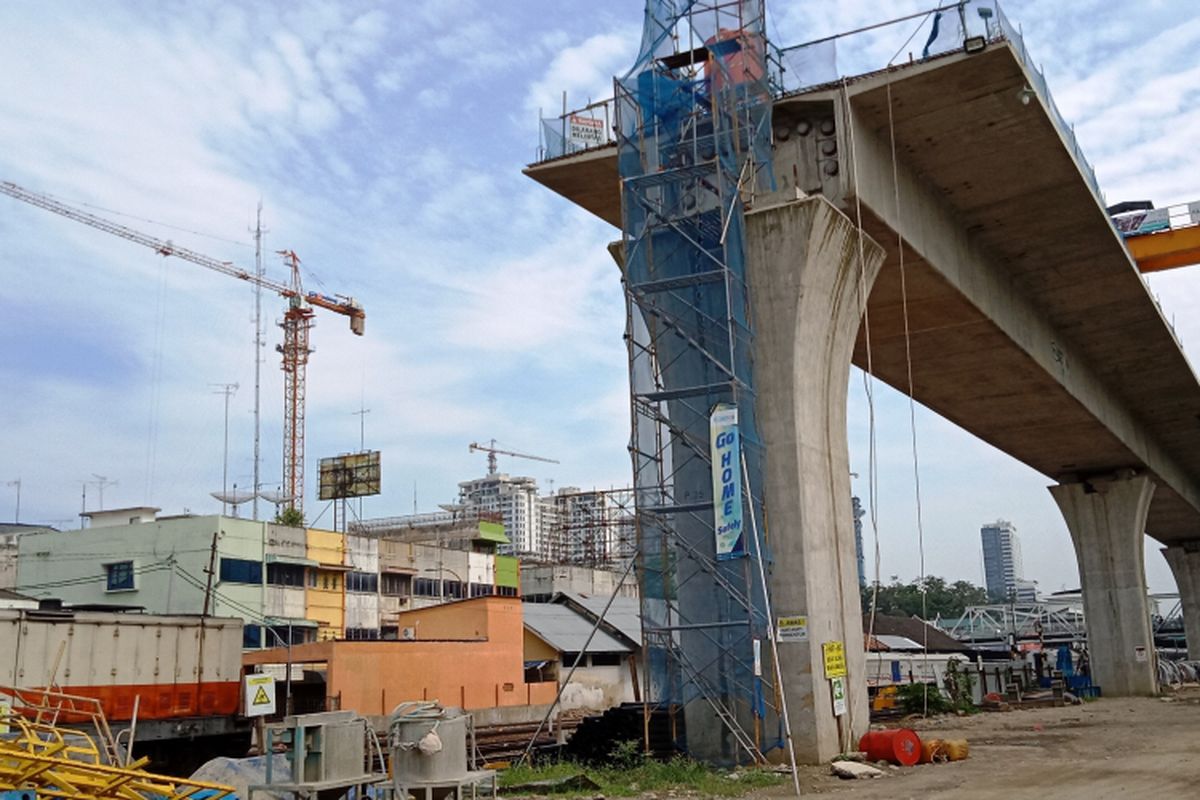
column 727, row 483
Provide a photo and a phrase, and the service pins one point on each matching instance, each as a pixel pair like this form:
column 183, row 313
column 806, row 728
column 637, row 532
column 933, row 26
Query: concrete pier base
column 808, row 284
column 1184, row 560
column 1107, row 520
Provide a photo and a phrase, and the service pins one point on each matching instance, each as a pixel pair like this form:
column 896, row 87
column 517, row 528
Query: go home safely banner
column 727, row 485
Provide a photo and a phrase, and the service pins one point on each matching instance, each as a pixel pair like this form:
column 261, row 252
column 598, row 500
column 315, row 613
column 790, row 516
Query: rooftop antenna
column 227, row 389
column 17, row 483
column 259, row 343
column 100, row 482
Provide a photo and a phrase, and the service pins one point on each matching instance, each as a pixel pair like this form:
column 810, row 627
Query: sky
column 385, row 142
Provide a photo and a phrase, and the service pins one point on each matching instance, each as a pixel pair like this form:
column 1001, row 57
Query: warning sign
column 259, row 694
column 837, row 688
column 792, row 629
column 835, row 659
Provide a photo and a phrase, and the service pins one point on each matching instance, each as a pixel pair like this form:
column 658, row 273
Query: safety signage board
column 791, row 629
column 258, row 691
column 837, row 687
column 835, row 659
column 727, row 481
column 585, row 131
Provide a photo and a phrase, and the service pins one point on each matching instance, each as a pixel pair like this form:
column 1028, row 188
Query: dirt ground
column 1111, row 748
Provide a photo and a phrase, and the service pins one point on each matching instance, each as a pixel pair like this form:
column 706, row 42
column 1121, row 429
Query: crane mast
column 297, row 321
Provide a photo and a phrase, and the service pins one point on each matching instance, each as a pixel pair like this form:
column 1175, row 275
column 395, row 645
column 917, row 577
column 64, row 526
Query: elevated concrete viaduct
column 1027, row 323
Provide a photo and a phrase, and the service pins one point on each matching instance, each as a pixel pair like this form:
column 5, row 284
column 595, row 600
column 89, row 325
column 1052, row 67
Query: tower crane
column 297, row 320
column 493, row 451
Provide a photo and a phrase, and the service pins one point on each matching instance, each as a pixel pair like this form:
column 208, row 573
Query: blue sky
column 386, row 142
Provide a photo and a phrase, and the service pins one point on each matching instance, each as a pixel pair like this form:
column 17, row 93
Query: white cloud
column 584, row 71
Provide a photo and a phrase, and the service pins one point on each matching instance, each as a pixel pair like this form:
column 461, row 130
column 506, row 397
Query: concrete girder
column 809, row 272
column 932, row 230
column 1107, row 520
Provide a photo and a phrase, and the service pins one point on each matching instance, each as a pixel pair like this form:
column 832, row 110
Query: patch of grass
column 632, row 773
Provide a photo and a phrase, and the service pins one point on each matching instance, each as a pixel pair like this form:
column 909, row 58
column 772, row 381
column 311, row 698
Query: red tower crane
column 297, row 320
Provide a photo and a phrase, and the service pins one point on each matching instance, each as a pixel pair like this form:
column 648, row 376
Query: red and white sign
column 585, row 131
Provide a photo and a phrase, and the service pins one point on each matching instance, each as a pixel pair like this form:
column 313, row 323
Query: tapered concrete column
column 1107, row 520
column 1184, row 560
column 808, row 287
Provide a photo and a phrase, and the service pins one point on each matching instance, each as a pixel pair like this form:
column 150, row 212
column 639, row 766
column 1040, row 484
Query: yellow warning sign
column 835, row 659
column 258, row 695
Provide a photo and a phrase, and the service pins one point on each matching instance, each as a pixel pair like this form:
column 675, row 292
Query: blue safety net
column 693, row 139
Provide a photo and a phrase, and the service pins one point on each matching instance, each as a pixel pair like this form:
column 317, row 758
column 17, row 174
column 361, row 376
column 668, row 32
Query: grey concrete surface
column 810, row 272
column 1184, row 560
column 1106, row 520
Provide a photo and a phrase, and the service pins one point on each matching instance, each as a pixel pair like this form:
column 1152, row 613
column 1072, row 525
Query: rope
column 912, row 405
column 868, row 377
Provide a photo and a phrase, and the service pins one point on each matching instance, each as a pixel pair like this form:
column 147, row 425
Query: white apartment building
column 516, row 500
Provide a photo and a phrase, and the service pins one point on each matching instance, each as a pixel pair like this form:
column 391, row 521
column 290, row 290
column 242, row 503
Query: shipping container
column 174, row 666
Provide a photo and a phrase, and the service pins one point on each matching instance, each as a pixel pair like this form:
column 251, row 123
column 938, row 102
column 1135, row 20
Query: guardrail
column 577, row 131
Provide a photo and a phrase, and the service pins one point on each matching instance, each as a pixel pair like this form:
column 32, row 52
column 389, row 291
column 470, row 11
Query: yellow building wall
column 325, row 592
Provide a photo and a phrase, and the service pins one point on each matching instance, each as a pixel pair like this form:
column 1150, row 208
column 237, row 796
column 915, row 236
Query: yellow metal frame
column 1169, row 249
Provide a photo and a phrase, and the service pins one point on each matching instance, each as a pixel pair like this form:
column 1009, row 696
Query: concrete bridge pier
column 809, row 282
column 1184, row 560
column 1107, row 520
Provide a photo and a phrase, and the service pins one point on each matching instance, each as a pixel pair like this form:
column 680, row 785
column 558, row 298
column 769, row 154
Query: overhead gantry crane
column 1159, row 238
column 297, row 320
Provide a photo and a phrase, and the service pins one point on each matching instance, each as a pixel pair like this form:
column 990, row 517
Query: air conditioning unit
column 408, row 634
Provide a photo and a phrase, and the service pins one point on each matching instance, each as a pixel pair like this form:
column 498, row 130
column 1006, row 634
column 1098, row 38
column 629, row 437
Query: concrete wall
column 69, row 565
column 548, row 579
column 373, row 677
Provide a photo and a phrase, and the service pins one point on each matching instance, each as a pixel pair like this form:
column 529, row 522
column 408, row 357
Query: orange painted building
column 468, row 654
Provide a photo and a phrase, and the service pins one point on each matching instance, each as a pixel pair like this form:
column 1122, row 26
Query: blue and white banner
column 727, row 483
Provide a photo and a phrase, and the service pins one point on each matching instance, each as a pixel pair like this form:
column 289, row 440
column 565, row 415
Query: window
column 506, row 591
column 452, row 589
column 569, row 658
column 251, row 637
column 426, row 587
column 396, row 585
column 606, row 659
column 482, row 589
column 362, row 634
column 240, row 570
column 312, row 578
column 119, row 576
column 366, row 582
column 279, row 635
column 285, row 574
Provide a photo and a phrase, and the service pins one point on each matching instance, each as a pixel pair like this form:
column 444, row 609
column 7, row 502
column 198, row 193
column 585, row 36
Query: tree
column 939, row 597
column 290, row 516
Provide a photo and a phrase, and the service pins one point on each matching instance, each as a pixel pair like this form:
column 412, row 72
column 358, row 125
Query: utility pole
column 227, row 389
column 17, row 483
column 211, row 571
column 259, row 343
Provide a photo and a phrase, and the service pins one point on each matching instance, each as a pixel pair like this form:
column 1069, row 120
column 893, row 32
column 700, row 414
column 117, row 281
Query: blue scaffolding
column 693, row 138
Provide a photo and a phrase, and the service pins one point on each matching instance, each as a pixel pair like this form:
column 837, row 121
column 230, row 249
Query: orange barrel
column 900, row 746
column 956, row 749
column 933, row 750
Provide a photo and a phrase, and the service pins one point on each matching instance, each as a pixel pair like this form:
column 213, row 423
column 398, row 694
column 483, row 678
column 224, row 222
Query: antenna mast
column 259, row 342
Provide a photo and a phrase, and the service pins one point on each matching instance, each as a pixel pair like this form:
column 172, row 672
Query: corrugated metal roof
column 897, row 642
column 624, row 614
column 566, row 630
